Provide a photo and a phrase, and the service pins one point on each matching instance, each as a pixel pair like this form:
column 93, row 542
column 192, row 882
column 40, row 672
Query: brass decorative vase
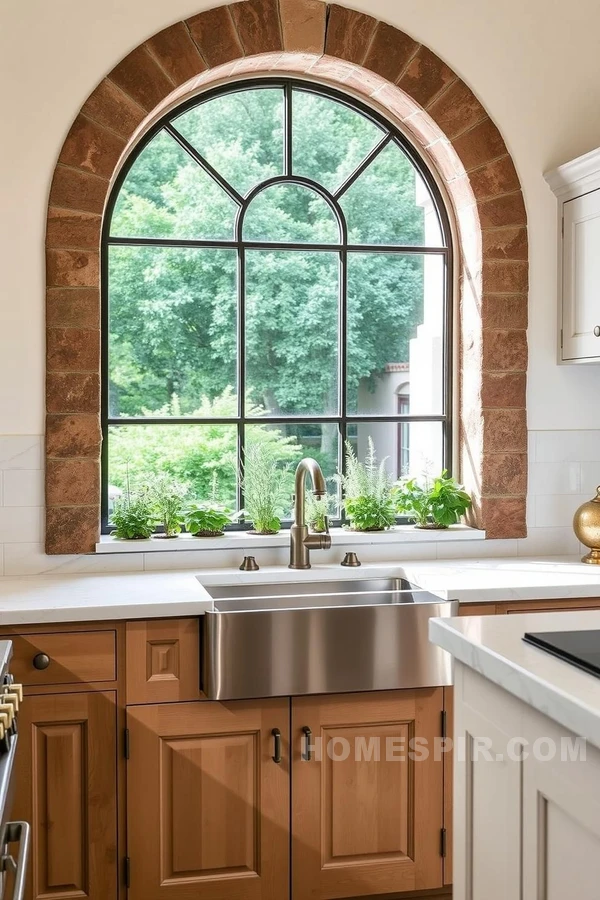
column 586, row 525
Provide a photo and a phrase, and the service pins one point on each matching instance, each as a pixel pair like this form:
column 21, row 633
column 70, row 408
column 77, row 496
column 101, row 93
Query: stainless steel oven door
column 13, row 861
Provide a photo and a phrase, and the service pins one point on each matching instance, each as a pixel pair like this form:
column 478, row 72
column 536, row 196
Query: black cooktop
column 580, row 648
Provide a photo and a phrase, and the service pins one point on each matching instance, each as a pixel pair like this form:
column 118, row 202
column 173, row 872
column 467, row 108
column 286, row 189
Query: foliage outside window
column 273, row 255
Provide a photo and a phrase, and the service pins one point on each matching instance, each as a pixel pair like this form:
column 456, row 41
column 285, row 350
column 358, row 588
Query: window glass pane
column 408, row 448
column 190, row 454
column 395, row 333
column 291, row 212
column 292, row 302
column 329, row 139
column 239, row 134
column 172, row 335
column 293, row 442
column 390, row 204
column 168, row 195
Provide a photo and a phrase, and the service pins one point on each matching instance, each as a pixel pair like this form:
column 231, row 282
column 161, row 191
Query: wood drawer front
column 163, row 661
column 76, row 657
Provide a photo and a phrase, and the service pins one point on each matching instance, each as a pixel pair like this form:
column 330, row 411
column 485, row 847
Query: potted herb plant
column 368, row 491
column 133, row 516
column 209, row 517
column 265, row 487
column 432, row 502
column 167, row 497
column 317, row 511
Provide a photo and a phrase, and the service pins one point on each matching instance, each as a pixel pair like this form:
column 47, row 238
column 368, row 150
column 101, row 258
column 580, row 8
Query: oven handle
column 17, row 832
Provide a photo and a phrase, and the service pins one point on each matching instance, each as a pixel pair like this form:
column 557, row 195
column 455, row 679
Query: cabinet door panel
column 208, row 808
column 66, row 787
column 163, row 660
column 581, row 276
column 367, row 811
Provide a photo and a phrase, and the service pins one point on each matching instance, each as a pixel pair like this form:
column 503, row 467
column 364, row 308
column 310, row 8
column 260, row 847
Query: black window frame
column 343, row 248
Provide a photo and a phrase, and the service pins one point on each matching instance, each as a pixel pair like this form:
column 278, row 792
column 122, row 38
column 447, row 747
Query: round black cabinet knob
column 41, row 661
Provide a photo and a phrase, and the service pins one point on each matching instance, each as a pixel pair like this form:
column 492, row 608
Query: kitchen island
column 526, row 760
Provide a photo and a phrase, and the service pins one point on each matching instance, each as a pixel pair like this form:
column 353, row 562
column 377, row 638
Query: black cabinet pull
column 277, row 757
column 306, row 755
column 41, row 661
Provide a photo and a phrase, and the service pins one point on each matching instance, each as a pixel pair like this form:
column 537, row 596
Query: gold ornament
column 586, row 525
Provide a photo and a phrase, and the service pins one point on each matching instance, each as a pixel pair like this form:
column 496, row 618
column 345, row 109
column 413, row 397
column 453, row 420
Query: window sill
column 236, row 540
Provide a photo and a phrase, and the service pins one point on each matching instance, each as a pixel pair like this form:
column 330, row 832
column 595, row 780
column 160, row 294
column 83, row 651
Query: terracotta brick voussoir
column 504, row 390
column 176, row 52
column 504, row 517
column 303, row 25
column 215, row 35
column 72, row 392
column 73, row 436
column 72, row 268
column 349, row 33
column 111, row 107
column 72, row 529
column 504, row 311
column 73, row 307
column 480, row 145
column 76, row 189
column 72, row 350
column 504, row 431
column 69, row 228
column 72, row 482
column 142, row 78
column 456, row 110
column 508, row 209
column 390, row 52
column 504, row 350
column 91, row 147
column 425, row 76
column 504, row 473
column 494, row 178
column 502, row 276
column 258, row 27
column 506, row 243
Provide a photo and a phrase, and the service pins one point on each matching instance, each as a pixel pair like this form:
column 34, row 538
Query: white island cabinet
column 577, row 187
column 527, row 761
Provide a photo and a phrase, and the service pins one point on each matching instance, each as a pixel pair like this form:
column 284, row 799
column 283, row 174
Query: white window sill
column 241, row 540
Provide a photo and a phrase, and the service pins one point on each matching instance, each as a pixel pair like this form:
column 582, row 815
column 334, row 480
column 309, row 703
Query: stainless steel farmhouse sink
column 294, row 638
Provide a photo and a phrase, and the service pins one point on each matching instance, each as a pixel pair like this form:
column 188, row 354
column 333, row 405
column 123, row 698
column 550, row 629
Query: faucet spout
column 301, row 542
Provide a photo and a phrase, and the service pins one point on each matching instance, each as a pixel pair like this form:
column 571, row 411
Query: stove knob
column 2, row 731
column 6, row 716
column 12, row 688
column 11, row 698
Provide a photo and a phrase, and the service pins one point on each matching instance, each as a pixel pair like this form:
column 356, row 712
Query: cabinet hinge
column 126, row 747
column 127, row 872
column 443, row 725
column 562, row 229
column 561, row 339
column 443, row 843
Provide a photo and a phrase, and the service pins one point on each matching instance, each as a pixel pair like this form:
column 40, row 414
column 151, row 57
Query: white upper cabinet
column 577, row 186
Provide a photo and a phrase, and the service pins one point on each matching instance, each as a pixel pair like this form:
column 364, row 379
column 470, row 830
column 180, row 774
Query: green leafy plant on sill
column 167, row 499
column 207, row 518
column 368, row 491
column 265, row 487
column 133, row 516
column 317, row 511
column 432, row 502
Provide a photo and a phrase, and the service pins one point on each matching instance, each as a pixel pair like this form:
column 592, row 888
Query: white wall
column 535, row 66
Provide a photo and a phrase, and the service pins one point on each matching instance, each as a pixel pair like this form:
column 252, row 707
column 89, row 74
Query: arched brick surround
column 410, row 84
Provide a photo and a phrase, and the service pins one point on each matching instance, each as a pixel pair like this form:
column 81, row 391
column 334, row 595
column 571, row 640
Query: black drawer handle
column 306, row 754
column 41, row 661
column 277, row 757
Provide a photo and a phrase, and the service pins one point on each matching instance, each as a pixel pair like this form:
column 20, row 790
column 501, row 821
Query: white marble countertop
column 71, row 598
column 494, row 647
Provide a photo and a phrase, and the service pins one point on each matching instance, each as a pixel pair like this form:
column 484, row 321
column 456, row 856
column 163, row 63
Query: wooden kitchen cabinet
column 366, row 818
column 207, row 805
column 66, row 787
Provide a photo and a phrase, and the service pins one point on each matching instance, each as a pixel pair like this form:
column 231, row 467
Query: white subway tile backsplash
column 590, row 478
column 567, row 446
column 478, row 550
column 21, row 523
column 556, row 510
column 555, row 478
column 23, row 487
column 21, row 452
column 548, row 542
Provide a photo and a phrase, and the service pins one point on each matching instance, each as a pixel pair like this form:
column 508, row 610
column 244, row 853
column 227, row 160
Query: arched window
column 271, row 250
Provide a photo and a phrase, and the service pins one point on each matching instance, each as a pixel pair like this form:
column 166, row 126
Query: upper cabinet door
column 208, row 805
column 367, row 811
column 581, row 279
